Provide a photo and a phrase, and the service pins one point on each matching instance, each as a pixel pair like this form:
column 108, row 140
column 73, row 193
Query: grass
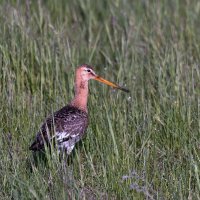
column 144, row 145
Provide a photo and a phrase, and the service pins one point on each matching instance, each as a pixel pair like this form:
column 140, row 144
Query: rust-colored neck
column 81, row 93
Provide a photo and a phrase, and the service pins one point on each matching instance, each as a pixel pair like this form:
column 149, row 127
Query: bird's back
column 66, row 127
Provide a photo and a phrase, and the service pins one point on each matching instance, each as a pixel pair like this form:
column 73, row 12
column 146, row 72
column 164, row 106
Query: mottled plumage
column 65, row 126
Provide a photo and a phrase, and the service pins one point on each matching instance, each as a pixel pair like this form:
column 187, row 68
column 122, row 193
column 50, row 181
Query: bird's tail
column 35, row 146
column 38, row 144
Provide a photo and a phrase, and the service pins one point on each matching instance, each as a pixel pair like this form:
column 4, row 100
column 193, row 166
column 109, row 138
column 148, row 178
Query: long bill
column 102, row 80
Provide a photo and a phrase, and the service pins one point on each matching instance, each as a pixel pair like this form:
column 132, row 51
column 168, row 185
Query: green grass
column 142, row 145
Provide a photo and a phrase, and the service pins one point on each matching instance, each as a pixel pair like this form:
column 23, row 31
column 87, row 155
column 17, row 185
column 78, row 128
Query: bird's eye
column 88, row 70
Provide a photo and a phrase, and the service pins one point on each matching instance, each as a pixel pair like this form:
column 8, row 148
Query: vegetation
column 144, row 145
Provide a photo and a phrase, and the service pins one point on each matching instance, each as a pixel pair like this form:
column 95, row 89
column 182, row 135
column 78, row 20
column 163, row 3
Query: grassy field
column 141, row 145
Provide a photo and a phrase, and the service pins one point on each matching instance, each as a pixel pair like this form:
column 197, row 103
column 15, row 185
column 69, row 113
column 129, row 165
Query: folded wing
column 66, row 127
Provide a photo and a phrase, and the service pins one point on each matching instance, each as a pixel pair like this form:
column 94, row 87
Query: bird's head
column 86, row 72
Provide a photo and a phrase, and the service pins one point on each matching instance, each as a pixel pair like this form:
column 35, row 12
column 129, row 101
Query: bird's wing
column 67, row 123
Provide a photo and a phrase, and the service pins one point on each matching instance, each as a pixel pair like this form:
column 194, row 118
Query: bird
column 67, row 126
